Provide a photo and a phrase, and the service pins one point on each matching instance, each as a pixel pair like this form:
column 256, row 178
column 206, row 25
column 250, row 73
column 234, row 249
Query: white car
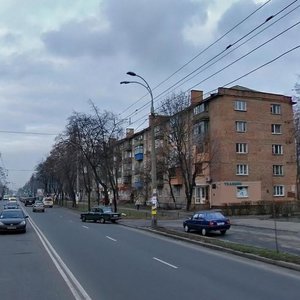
column 48, row 202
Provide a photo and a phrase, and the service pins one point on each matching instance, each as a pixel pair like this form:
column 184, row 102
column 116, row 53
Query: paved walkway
column 292, row 224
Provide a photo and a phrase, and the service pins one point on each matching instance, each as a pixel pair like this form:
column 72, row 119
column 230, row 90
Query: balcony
column 138, row 156
column 204, row 116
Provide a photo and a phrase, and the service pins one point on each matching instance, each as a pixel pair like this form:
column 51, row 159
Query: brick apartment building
column 250, row 157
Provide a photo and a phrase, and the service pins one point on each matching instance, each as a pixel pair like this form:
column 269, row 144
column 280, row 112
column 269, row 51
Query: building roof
column 242, row 88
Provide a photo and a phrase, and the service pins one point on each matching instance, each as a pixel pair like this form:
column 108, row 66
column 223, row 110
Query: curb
column 173, row 235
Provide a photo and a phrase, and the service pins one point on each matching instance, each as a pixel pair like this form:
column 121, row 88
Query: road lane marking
column 75, row 287
column 110, row 238
column 164, row 262
column 85, row 226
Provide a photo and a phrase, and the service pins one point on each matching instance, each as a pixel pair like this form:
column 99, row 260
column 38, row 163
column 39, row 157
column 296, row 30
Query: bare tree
column 179, row 155
column 96, row 136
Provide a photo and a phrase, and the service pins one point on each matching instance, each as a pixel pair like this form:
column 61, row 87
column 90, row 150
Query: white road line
column 77, row 290
column 164, row 262
column 85, row 227
column 110, row 238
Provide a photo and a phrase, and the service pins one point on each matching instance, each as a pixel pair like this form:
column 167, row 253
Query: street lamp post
column 153, row 151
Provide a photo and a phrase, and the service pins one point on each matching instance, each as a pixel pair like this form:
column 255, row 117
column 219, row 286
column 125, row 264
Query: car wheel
column 114, row 221
column 102, row 220
column 203, row 231
column 186, row 228
column 223, row 232
column 83, row 219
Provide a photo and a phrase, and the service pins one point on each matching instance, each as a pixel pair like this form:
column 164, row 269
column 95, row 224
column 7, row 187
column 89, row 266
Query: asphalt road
column 109, row 261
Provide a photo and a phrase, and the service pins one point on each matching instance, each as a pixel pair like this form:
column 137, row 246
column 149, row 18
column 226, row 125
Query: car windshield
column 107, row 209
column 214, row 215
column 11, row 214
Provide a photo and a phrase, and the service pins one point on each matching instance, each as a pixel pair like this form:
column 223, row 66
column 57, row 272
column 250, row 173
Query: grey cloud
column 151, row 32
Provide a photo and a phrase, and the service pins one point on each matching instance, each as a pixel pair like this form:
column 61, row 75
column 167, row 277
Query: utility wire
column 245, row 55
column 250, row 72
column 196, row 56
column 27, row 133
column 228, row 47
column 257, row 27
column 226, row 54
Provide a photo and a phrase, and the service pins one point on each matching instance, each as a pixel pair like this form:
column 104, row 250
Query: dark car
column 29, row 201
column 38, row 206
column 206, row 221
column 13, row 220
column 101, row 214
column 11, row 205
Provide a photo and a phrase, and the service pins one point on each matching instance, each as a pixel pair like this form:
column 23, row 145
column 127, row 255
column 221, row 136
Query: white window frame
column 275, row 109
column 278, row 170
column 278, row 191
column 242, row 191
column 277, row 149
column 241, row 148
column 200, row 108
column 240, row 105
column 200, row 194
column 241, row 126
column 242, row 169
column 276, row 128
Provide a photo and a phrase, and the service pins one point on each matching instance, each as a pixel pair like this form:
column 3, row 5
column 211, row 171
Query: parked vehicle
column 207, row 221
column 29, row 201
column 13, row 220
column 101, row 214
column 48, row 202
column 38, row 206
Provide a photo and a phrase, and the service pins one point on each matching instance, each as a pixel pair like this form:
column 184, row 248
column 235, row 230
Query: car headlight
column 23, row 223
column 1, row 223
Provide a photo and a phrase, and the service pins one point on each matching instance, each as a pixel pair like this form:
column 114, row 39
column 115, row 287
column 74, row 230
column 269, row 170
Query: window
column 277, row 149
column 278, row 170
column 241, row 148
column 240, row 105
column 240, row 126
column 200, row 194
column 276, row 128
column 200, row 128
column 199, row 109
column 278, row 190
column 241, row 169
column 275, row 109
column 176, row 190
column 199, row 168
column 242, row 191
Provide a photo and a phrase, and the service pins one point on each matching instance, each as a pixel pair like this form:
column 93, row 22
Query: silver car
column 38, row 207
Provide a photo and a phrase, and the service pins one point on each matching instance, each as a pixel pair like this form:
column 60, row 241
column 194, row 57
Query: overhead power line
column 250, row 72
column 27, row 133
column 196, row 56
column 247, row 34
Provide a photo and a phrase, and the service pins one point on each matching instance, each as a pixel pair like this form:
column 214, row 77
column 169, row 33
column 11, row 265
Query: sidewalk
column 266, row 222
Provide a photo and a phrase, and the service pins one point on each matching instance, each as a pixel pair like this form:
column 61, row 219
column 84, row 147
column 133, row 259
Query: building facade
column 243, row 147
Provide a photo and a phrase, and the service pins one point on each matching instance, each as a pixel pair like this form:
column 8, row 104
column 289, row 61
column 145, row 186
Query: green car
column 101, row 214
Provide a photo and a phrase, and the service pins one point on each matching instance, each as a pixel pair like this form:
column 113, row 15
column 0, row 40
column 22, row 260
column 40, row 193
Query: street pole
column 153, row 149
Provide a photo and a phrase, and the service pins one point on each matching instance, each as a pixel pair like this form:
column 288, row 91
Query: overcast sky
column 55, row 55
